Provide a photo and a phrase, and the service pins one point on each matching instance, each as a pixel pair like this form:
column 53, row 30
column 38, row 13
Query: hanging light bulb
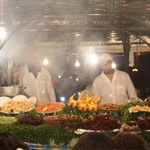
column 113, row 65
column 77, row 63
column 45, row 61
column 59, row 76
column 77, row 79
column 2, row 33
column 93, row 58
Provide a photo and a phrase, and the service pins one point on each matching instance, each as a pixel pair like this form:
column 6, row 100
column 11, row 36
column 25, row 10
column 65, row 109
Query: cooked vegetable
column 50, row 107
column 8, row 120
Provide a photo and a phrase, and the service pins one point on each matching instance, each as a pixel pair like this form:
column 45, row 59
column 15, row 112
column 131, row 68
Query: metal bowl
column 9, row 91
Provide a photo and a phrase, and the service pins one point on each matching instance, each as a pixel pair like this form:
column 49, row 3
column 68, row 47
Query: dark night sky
column 141, row 78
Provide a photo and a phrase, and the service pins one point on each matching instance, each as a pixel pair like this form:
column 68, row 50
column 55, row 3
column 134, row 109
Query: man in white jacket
column 36, row 79
column 113, row 85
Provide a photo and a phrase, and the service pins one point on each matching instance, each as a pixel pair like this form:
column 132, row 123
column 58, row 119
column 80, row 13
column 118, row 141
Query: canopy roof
column 62, row 24
column 78, row 26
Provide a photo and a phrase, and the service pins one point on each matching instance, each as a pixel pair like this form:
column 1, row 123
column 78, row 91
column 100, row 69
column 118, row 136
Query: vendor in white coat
column 36, row 79
column 113, row 85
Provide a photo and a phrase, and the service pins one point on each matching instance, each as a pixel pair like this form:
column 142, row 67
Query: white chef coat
column 118, row 91
column 41, row 87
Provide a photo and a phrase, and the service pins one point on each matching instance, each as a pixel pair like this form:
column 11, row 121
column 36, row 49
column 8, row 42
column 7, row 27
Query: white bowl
column 19, row 98
column 9, row 90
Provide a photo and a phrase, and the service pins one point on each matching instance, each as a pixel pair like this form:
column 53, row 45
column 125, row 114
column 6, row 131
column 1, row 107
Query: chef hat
column 105, row 57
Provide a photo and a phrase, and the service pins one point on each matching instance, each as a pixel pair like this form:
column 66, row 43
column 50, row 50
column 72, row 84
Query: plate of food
column 110, row 107
column 50, row 107
column 14, row 106
column 138, row 108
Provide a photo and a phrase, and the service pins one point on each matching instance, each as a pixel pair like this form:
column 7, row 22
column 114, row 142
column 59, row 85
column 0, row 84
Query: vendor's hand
column 15, row 72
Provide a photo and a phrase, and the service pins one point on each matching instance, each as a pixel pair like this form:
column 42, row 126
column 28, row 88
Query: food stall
column 58, row 125
column 67, row 31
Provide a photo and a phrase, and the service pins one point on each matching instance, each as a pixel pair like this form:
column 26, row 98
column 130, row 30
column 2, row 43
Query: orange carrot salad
column 50, row 107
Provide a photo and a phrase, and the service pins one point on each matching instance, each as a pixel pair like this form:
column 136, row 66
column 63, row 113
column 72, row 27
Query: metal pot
column 9, row 91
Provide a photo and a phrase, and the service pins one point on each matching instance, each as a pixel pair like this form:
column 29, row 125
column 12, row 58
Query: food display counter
column 61, row 127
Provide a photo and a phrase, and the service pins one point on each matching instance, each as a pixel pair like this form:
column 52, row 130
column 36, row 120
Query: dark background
column 66, row 86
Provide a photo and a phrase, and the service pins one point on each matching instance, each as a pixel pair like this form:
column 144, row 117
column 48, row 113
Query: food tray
column 17, row 104
column 81, row 131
